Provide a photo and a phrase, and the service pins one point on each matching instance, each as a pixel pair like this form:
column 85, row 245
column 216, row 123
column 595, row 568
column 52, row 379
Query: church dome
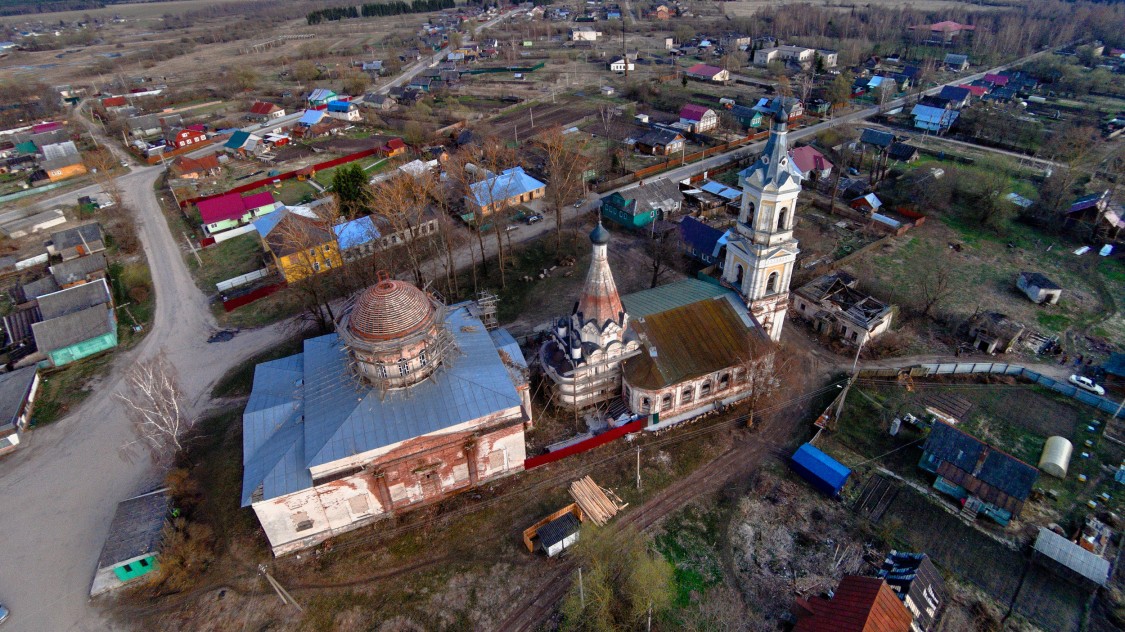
column 389, row 310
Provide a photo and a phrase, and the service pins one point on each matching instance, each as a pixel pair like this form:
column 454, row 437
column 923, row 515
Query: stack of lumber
column 598, row 504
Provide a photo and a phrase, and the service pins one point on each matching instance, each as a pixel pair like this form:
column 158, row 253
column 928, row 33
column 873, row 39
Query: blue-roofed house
column 320, row 97
column 983, row 479
column 357, row 238
column 509, row 188
column 310, row 118
column 409, row 402
column 933, row 119
column 702, row 242
column 343, row 110
column 956, row 96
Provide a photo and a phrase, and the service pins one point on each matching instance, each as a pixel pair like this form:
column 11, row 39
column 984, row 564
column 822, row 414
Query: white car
column 1086, row 384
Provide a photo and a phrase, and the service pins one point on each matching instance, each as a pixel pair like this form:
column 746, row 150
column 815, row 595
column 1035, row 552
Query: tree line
column 378, row 10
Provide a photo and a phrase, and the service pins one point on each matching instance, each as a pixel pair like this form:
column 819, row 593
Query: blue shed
column 822, row 471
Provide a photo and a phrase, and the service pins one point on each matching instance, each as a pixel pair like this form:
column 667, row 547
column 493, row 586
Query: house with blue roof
column 320, row 97
column 343, row 110
column 933, row 119
column 511, row 187
column 703, row 243
column 310, row 118
column 409, row 402
column 357, row 238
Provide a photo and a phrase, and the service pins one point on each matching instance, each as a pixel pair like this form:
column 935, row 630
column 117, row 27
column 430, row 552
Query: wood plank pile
column 597, row 503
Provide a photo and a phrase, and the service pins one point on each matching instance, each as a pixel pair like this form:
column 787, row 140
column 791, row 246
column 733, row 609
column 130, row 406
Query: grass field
column 136, row 11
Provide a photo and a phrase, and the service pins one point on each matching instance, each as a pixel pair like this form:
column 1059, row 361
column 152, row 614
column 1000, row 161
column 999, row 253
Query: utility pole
column 282, row 594
column 192, row 249
column 581, row 589
column 638, row 468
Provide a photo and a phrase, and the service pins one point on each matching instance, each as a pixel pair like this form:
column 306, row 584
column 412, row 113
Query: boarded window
column 496, row 460
column 302, row 522
column 359, row 505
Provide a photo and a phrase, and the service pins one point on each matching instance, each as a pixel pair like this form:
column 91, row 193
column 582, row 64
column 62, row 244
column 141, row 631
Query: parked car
column 579, row 203
column 510, row 227
column 1086, row 384
column 534, row 218
column 4, row 612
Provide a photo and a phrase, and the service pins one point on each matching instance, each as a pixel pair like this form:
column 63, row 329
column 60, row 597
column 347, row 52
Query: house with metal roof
column 357, row 238
column 320, row 97
column 956, row 62
column 933, row 119
column 859, row 604
column 746, row 116
column 919, row 585
column 77, row 322
column 80, row 270
column 702, row 242
column 876, row 138
column 835, row 307
column 409, row 402
column 639, row 206
column 77, row 242
column 698, row 118
column 511, row 187
column 983, row 479
column 264, row 111
column 132, row 545
column 813, row 165
column 17, row 396
column 233, row 209
column 955, row 97
column 660, row 142
column 344, row 111
column 705, row 72
column 300, row 246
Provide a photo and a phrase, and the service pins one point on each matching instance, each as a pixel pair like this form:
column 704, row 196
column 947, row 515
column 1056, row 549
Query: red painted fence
column 232, row 304
column 257, row 184
column 588, row 444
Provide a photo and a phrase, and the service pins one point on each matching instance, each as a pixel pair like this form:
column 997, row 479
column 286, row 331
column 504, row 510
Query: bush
column 187, row 550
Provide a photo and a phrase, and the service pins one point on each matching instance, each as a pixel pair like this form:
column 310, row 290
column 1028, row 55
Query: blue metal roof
column 932, row 117
column 237, row 139
column 700, row 236
column 508, row 184
column 824, row 472
column 321, row 94
column 283, row 437
column 338, row 106
column 505, row 342
column 724, row 192
column 310, row 117
column 355, row 233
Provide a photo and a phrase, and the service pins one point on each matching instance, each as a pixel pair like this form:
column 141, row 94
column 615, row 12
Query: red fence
column 699, row 155
column 588, row 444
column 239, row 301
column 179, row 151
column 257, row 184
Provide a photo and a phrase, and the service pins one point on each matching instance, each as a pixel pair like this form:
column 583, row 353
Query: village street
column 63, row 486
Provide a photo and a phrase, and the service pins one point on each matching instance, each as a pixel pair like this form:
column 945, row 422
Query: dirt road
column 62, row 487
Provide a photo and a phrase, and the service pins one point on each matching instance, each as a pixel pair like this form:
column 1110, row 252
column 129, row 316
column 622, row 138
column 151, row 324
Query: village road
column 62, row 487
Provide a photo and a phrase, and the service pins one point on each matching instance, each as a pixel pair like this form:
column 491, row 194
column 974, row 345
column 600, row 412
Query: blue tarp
column 823, row 472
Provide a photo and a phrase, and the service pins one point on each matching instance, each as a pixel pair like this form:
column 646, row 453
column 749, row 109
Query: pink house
column 699, row 117
column 811, row 162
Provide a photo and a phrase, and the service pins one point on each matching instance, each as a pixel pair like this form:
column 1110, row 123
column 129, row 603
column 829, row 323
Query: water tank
column 1056, row 456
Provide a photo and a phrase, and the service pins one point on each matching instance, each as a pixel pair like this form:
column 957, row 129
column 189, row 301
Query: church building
column 677, row 351
column 408, row 402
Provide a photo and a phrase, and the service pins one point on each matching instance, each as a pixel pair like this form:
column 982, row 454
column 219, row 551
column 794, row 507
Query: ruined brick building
column 409, row 402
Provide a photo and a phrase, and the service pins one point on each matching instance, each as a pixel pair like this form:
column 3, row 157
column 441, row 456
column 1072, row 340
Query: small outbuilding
column 133, row 543
column 823, row 472
column 1056, row 456
column 1038, row 288
column 1070, row 560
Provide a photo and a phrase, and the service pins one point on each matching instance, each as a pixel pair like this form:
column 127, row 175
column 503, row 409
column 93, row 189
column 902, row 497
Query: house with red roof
column 996, row 80
column 194, row 168
column 944, row 33
column 114, row 102
column 178, row 137
column 811, row 162
column 704, row 72
column 977, row 91
column 232, row 210
column 699, row 118
column 859, row 604
column 263, row 111
column 393, row 147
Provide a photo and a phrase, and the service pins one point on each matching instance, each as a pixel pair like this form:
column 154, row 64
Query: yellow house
column 300, row 246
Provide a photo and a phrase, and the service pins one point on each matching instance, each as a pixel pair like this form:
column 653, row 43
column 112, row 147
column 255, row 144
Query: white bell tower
column 759, row 263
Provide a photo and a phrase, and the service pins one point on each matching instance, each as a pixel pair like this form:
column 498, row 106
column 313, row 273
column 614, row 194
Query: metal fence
column 241, row 280
column 1000, row 368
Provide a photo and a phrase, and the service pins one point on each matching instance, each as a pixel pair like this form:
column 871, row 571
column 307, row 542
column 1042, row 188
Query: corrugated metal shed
column 822, row 471
column 1085, row 564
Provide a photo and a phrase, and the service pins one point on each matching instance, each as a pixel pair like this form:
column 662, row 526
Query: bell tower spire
column 759, row 263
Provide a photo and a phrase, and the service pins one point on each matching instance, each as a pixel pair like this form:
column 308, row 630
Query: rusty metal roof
column 689, row 341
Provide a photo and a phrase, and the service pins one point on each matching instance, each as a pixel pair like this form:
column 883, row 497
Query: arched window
column 781, row 218
column 422, row 360
column 738, row 272
column 403, row 367
column 771, row 283
column 383, row 370
column 666, row 402
column 750, row 208
column 705, row 389
column 724, row 381
column 645, row 404
column 687, row 395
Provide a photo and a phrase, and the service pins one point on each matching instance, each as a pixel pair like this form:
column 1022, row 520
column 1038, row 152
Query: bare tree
column 153, row 402
column 769, row 370
column 565, row 168
column 932, row 285
column 103, row 168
